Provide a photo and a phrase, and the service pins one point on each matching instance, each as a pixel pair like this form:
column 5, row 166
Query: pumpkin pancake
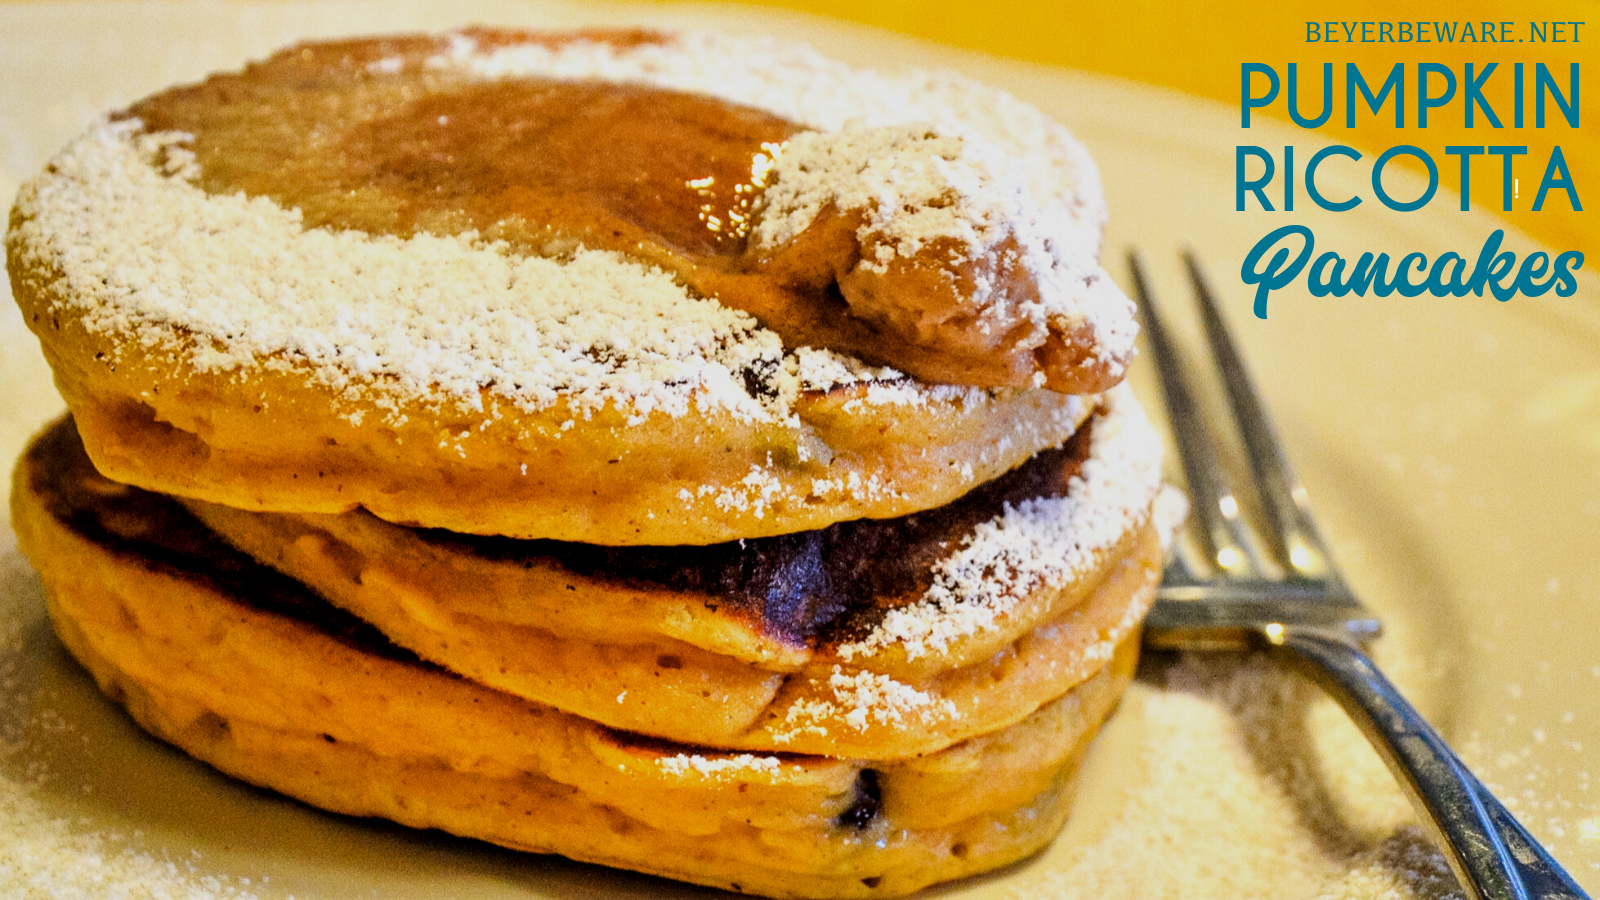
column 875, row 638
column 616, row 288
column 252, row 673
column 678, row 452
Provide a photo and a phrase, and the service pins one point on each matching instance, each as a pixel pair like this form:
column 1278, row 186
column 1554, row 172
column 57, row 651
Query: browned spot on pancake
column 613, row 165
column 161, row 534
column 814, row 586
column 544, row 164
column 549, row 166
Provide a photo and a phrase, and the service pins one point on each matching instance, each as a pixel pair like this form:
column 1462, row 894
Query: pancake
column 572, row 287
column 250, row 672
column 869, row 639
column 676, row 452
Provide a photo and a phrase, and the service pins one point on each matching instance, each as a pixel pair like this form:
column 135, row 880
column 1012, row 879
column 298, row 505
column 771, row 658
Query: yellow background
column 1198, row 48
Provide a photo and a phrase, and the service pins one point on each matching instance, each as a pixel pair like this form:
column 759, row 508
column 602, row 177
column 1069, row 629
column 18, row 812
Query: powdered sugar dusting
column 895, row 142
column 719, row 766
column 1035, row 545
column 234, row 282
column 799, row 84
column 821, row 369
column 915, row 187
column 1168, row 514
column 447, row 315
column 861, row 699
column 914, row 183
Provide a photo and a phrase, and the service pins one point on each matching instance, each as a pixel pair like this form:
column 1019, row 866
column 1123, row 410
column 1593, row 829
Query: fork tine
column 1223, row 535
column 1310, row 619
column 1294, row 538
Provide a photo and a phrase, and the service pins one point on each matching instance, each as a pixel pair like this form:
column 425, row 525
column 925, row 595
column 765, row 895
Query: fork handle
column 1493, row 856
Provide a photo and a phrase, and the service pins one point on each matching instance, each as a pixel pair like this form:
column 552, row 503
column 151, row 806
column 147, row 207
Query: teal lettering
column 1533, row 266
column 1377, row 178
column 1566, row 285
column 1294, row 97
column 1364, row 272
column 1437, row 285
column 1247, row 100
column 1403, row 284
column 1360, row 277
column 1544, row 82
column 1288, row 178
column 1557, row 175
column 1466, row 154
column 1503, row 264
column 1396, row 82
column 1425, row 102
column 1258, row 186
column 1472, row 91
column 1314, row 280
column 1278, row 272
column 1507, row 185
column 1311, row 178
column 1516, row 95
column 1486, row 261
column 1382, row 284
column 1273, row 264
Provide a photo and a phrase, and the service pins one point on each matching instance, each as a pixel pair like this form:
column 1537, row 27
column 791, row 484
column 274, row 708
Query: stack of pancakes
column 676, row 452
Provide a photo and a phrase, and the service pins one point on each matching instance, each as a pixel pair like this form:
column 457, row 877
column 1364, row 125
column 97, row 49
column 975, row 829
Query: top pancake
column 473, row 282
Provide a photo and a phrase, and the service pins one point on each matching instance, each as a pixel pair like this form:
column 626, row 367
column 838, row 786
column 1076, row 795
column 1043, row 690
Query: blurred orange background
column 1199, row 47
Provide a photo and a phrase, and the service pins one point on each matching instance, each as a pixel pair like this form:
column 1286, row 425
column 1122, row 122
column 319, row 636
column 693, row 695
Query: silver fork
column 1284, row 595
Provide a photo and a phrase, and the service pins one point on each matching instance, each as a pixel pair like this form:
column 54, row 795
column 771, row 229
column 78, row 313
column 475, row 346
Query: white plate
column 1451, row 446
